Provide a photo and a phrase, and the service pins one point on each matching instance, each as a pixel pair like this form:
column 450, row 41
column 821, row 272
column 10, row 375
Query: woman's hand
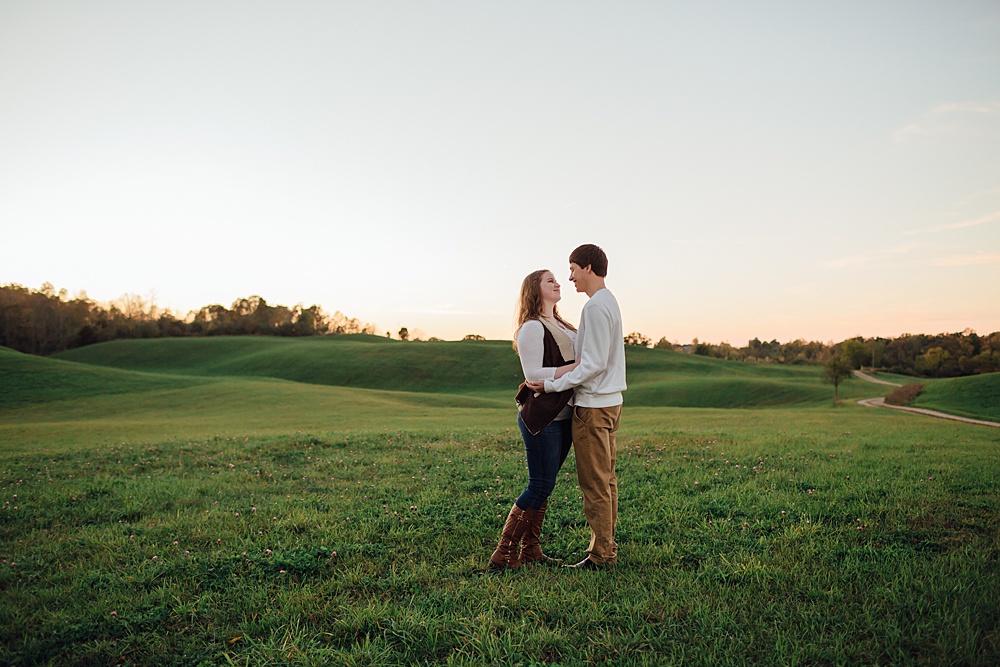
column 562, row 370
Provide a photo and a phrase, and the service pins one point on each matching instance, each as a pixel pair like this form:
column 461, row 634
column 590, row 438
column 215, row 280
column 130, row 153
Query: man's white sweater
column 599, row 380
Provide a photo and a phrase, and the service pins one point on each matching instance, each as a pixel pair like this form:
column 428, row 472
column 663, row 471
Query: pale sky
column 781, row 170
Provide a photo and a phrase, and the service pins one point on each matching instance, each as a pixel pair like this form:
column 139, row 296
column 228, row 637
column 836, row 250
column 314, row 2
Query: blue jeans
column 546, row 453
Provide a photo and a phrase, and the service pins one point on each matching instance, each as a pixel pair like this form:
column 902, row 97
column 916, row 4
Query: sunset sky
column 778, row 170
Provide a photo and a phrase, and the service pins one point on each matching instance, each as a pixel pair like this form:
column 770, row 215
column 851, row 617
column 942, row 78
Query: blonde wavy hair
column 529, row 303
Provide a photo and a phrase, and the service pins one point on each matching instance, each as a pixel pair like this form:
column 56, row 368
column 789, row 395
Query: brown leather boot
column 531, row 548
column 506, row 554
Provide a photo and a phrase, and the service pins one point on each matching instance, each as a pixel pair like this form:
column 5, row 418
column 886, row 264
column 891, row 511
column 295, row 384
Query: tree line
column 792, row 352
column 922, row 355
column 45, row 321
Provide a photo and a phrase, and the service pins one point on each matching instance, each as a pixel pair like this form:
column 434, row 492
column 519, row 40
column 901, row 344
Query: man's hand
column 537, row 387
column 562, row 370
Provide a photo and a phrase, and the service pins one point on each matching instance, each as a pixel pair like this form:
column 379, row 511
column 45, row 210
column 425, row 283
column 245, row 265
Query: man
column 599, row 381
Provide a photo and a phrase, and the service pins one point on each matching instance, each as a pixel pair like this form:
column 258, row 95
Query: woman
column 544, row 342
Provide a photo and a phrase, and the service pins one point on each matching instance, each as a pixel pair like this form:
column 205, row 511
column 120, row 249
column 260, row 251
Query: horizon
column 779, row 172
column 149, row 305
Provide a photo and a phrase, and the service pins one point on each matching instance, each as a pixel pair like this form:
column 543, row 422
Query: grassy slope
column 894, row 377
column 656, row 377
column 185, row 388
column 977, row 396
column 243, row 407
column 157, row 389
column 371, row 362
column 666, row 378
column 57, row 403
column 27, row 380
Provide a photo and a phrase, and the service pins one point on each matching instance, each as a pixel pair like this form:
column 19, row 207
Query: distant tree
column 342, row 324
column 855, row 352
column 134, row 307
column 44, row 321
column 702, row 349
column 836, row 369
column 876, row 347
column 171, row 327
column 664, row 344
column 636, row 338
column 815, row 352
column 243, row 314
column 214, row 320
column 305, row 322
column 763, row 351
column 404, row 334
column 931, row 361
column 473, row 337
column 726, row 351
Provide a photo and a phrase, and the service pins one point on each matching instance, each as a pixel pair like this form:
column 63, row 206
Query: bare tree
column 636, row 338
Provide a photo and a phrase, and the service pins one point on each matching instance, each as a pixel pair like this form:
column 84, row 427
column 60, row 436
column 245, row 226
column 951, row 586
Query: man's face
column 578, row 276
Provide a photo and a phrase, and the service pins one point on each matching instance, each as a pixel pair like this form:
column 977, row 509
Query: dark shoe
column 585, row 564
column 507, row 554
column 531, row 549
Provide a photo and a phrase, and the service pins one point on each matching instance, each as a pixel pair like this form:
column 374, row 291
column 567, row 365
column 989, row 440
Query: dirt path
column 865, row 376
column 880, row 403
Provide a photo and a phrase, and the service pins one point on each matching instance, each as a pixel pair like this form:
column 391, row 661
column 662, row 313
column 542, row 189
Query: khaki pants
column 594, row 442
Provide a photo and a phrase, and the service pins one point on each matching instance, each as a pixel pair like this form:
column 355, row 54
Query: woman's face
column 549, row 288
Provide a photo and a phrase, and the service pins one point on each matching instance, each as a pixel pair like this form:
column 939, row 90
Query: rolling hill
column 485, row 368
column 371, row 362
column 976, row 396
column 27, row 380
column 196, row 387
column 58, row 403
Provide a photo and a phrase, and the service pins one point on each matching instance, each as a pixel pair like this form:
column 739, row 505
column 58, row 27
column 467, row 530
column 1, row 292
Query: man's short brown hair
column 592, row 256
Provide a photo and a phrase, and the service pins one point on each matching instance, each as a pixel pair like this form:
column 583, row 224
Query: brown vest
column 537, row 412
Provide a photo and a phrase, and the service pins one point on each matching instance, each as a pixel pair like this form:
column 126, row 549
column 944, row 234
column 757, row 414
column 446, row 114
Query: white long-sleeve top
column 599, row 380
column 531, row 349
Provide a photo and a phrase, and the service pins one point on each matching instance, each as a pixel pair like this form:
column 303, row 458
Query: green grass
column 183, row 388
column 27, row 380
column 369, row 362
column 55, row 403
column 895, row 377
column 485, row 368
column 850, row 536
column 166, row 513
column 977, row 396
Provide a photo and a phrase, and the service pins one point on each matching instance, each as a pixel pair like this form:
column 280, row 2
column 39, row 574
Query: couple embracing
column 572, row 395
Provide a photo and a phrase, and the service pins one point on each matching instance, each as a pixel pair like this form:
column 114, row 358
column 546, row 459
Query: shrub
column 905, row 394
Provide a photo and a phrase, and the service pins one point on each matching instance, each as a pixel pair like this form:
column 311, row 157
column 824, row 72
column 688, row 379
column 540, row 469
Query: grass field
column 183, row 505
column 977, row 396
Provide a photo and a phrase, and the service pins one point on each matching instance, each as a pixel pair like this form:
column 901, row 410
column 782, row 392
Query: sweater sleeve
column 531, row 348
column 596, row 323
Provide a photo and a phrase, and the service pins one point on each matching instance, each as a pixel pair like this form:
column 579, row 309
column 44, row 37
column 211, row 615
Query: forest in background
column 45, row 321
column 922, row 355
